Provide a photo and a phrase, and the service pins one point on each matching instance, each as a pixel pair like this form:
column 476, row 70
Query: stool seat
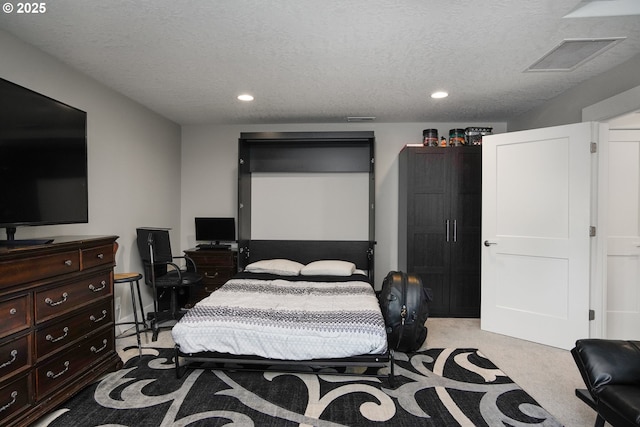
column 130, row 278
column 126, row 277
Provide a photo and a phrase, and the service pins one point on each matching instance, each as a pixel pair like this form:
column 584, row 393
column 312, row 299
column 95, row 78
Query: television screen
column 216, row 229
column 43, row 159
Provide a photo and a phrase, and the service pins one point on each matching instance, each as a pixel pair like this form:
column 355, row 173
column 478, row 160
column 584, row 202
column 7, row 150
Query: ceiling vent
column 571, row 53
column 360, row 118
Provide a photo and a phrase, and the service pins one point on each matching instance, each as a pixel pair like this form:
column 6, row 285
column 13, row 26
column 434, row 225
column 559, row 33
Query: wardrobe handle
column 447, row 231
column 488, row 243
column 455, row 231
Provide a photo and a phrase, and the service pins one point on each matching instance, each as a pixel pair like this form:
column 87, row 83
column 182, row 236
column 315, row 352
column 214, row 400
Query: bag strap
column 403, row 310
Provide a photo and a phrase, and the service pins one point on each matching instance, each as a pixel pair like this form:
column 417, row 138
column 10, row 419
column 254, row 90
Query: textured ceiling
column 320, row 61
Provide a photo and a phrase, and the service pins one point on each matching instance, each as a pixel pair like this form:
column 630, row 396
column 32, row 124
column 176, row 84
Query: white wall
column 133, row 156
column 210, row 173
column 567, row 107
column 310, row 206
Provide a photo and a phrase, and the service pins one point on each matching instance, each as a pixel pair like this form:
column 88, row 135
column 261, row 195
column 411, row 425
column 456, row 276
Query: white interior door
column 623, row 240
column 536, row 191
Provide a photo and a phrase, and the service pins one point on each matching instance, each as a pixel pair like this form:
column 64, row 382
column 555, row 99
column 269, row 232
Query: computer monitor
column 215, row 230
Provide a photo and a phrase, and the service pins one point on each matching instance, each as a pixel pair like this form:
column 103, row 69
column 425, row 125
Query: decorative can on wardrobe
column 430, row 137
column 456, row 137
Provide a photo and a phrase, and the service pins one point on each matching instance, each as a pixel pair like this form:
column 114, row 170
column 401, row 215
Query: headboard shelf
column 306, row 151
column 297, row 157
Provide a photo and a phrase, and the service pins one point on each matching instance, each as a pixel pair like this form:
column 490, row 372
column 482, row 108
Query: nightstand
column 216, row 266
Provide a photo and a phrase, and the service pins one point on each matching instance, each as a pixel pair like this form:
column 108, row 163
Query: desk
column 216, row 266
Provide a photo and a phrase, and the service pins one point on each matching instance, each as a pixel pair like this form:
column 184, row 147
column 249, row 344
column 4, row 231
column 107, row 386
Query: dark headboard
column 306, row 251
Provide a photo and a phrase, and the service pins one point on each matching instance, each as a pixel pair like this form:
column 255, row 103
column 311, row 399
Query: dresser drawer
column 15, row 397
column 213, row 258
column 64, row 298
column 73, row 362
column 93, row 257
column 40, row 267
column 215, row 276
column 15, row 314
column 60, row 334
column 15, row 356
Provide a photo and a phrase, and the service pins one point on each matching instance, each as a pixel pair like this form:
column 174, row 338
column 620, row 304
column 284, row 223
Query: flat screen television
column 218, row 232
column 43, row 161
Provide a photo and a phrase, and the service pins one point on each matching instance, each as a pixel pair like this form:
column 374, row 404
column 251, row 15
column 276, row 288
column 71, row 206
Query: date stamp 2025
column 24, row 8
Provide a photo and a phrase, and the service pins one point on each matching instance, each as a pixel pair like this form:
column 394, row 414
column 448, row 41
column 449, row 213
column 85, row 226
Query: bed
column 232, row 341
column 297, row 305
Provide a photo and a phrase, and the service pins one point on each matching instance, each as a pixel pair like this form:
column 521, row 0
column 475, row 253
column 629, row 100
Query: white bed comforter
column 286, row 320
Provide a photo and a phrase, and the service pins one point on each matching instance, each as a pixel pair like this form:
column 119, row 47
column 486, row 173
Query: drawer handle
column 52, row 339
column 209, row 276
column 50, row 374
column 98, row 350
column 13, row 311
column 14, row 356
column 68, row 263
column 100, row 256
column 95, row 319
column 94, row 289
column 51, row 303
column 14, row 396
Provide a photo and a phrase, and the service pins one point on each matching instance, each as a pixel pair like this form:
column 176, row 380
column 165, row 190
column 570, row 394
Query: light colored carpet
column 548, row 374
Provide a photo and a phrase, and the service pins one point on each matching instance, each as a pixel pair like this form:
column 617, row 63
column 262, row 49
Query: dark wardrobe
column 439, row 219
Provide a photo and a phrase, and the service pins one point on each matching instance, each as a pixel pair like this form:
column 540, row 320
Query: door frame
column 615, row 106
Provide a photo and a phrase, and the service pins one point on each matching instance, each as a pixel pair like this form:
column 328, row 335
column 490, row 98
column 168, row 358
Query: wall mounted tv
column 43, row 161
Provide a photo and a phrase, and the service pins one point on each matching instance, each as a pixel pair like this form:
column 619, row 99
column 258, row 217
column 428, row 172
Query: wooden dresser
column 216, row 267
column 56, row 323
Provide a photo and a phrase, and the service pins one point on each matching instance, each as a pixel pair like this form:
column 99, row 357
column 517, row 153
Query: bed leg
column 179, row 370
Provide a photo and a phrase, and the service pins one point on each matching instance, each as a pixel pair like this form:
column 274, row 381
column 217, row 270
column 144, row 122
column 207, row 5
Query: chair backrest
column 158, row 240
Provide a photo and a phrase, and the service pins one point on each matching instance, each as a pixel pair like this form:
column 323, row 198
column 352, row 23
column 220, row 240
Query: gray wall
column 133, row 155
column 209, row 174
column 567, row 107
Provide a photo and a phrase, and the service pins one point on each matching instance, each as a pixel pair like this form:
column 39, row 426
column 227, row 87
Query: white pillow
column 282, row 267
column 328, row 268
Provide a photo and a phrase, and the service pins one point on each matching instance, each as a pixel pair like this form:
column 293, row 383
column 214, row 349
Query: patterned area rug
column 438, row 387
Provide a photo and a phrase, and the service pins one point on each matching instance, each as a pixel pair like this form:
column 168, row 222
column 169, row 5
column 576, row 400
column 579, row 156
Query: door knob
column 488, row 243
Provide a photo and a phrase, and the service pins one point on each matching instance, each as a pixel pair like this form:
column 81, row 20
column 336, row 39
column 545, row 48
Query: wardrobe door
column 429, row 204
column 466, row 205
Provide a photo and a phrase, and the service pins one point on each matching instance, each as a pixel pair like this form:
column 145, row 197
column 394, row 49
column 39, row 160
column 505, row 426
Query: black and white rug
column 438, row 387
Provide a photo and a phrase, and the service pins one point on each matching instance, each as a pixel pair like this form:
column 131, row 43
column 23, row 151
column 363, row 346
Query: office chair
column 155, row 251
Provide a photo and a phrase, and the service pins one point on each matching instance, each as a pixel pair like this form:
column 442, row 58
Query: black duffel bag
column 404, row 301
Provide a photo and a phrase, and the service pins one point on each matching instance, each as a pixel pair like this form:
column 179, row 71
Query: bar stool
column 131, row 278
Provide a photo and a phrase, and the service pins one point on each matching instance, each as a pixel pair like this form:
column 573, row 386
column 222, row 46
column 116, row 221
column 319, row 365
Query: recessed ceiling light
column 439, row 95
column 245, row 97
